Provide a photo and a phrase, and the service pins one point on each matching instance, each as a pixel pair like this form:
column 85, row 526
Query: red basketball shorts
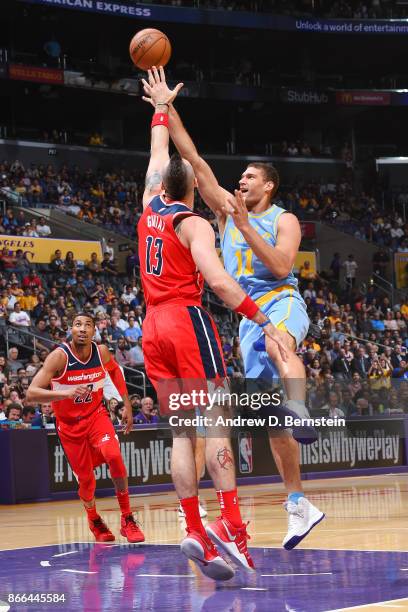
column 82, row 441
column 181, row 342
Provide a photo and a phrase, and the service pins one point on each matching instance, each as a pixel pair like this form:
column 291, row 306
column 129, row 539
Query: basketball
column 149, row 48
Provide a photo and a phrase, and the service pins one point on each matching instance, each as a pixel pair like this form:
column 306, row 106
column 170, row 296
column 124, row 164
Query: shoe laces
column 242, row 538
column 295, row 511
column 99, row 524
column 132, row 522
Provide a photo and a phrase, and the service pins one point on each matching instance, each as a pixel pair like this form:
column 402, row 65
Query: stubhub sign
column 304, row 96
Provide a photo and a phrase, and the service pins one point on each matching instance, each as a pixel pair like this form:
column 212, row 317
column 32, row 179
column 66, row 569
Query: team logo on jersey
column 246, row 462
column 91, row 376
column 106, row 438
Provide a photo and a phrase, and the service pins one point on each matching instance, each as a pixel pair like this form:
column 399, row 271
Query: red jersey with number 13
column 167, row 268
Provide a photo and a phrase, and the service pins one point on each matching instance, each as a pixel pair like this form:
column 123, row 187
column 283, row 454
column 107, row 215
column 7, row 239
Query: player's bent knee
column 117, row 467
column 112, row 455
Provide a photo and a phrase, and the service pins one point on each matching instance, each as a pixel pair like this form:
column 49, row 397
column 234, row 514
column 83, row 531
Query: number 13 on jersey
column 154, row 255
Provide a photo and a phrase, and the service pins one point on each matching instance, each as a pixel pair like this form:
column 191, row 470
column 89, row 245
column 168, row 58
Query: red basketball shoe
column 131, row 530
column 233, row 540
column 202, row 551
column 101, row 532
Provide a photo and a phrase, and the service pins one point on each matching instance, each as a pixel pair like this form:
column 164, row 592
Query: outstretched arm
column 197, row 234
column 159, row 149
column 211, row 192
column 118, row 380
column 213, row 195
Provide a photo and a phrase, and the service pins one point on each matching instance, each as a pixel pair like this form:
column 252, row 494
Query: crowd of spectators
column 358, row 365
column 113, row 200
column 359, row 214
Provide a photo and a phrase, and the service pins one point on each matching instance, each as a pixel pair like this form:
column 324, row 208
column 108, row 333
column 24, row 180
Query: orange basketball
column 149, row 48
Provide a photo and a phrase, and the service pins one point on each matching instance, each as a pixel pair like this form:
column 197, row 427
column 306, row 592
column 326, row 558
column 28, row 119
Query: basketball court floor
column 357, row 559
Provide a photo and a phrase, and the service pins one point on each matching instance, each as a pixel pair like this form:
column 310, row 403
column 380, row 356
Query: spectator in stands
column 33, row 365
column 29, row 300
column 21, row 264
column 32, row 280
column 70, row 264
column 132, row 263
column 133, row 332
column 380, row 262
column 45, row 418
column 28, row 414
column 136, row 354
column 108, row 266
column 351, row 267
column 145, row 415
column 122, row 353
column 340, row 367
column 19, row 317
column 14, row 412
column 361, row 363
column 43, row 229
column 93, row 265
column 57, row 263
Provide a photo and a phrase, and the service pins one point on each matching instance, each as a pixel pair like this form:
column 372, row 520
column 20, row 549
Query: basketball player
column 72, row 378
column 259, row 244
column 180, row 340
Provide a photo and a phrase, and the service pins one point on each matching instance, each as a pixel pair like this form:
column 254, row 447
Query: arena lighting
column 383, row 161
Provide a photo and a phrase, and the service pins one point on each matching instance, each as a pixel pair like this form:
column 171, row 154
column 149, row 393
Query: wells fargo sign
column 52, row 76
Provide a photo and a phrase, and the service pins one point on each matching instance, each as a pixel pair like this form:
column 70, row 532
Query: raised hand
column 237, row 209
column 157, row 88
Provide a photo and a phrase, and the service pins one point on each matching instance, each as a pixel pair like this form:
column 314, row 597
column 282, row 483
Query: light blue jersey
column 243, row 265
column 279, row 299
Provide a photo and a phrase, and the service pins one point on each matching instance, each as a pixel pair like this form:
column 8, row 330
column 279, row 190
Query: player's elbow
column 282, row 273
column 281, row 269
column 30, row 395
column 218, row 284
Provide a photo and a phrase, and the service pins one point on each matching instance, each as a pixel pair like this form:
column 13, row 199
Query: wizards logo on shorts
column 246, row 462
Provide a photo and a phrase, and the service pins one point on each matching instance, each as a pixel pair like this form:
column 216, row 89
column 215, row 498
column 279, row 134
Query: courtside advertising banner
column 363, row 443
column 41, row 250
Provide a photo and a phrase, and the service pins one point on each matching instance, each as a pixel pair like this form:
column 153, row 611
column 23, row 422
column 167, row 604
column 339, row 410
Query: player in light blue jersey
column 259, row 243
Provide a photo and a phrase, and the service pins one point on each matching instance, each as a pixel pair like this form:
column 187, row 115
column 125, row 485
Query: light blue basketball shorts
column 287, row 311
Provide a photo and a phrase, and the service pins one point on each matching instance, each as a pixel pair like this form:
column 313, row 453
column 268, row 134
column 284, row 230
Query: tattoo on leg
column 224, row 457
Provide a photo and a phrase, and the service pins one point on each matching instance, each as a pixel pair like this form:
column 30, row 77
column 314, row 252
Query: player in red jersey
column 180, row 340
column 76, row 372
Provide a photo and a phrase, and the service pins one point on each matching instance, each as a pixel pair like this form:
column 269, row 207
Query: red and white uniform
column 84, row 428
column 180, row 339
column 90, row 373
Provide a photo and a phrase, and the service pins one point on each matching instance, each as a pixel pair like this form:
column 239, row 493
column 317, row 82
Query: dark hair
column 13, row 406
column 175, row 178
column 270, row 174
column 84, row 314
column 28, row 410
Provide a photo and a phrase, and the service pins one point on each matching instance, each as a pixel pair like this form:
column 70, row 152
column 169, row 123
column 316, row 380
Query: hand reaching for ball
column 157, row 88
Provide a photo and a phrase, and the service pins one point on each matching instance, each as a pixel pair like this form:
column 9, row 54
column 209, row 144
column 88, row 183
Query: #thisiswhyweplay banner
column 147, row 453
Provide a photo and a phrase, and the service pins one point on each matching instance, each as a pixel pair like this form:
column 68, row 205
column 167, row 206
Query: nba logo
column 245, row 452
